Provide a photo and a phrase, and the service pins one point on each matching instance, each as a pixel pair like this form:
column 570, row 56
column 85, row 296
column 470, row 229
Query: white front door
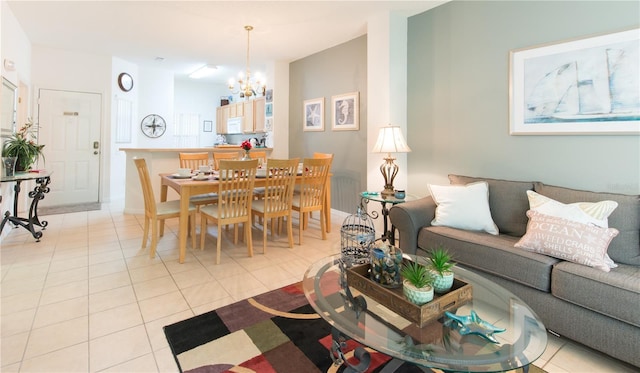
column 69, row 127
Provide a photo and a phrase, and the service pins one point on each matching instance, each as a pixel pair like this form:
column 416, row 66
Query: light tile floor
column 88, row 299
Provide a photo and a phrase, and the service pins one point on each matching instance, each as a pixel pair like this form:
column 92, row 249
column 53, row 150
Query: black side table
column 386, row 202
column 42, row 180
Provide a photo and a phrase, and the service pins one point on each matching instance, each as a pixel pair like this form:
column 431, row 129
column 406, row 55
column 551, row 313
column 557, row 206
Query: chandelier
column 246, row 86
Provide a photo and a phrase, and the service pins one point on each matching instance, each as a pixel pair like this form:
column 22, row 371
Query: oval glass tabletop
column 445, row 343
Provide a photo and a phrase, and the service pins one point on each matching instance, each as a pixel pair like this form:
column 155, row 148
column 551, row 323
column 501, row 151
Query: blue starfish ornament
column 473, row 324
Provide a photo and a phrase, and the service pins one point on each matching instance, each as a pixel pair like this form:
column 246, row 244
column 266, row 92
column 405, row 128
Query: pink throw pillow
column 568, row 240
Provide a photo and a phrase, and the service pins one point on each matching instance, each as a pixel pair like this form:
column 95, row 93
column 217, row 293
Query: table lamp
column 390, row 140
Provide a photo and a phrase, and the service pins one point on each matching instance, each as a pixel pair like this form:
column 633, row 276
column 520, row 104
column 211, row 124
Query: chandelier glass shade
column 390, row 140
column 248, row 86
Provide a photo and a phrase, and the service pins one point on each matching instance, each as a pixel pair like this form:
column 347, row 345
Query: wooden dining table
column 188, row 187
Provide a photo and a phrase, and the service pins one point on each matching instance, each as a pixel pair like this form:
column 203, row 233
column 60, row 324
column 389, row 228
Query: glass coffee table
column 441, row 343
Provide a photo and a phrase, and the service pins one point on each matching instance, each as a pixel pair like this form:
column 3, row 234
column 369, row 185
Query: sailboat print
column 604, row 89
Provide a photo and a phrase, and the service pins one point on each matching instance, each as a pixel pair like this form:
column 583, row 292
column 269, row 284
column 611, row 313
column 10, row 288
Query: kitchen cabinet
column 252, row 112
column 222, row 114
column 254, row 116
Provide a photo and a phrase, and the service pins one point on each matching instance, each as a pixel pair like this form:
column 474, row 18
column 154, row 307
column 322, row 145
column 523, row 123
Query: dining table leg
column 327, row 205
column 184, row 222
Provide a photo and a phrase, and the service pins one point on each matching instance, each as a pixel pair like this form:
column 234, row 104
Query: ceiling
column 189, row 34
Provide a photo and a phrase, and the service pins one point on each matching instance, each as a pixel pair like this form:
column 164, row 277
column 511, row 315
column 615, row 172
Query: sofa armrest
column 409, row 218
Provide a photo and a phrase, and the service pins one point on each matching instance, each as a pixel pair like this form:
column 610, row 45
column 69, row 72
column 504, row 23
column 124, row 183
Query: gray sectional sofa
column 596, row 308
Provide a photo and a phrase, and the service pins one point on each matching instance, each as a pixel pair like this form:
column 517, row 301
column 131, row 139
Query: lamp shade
column 391, row 140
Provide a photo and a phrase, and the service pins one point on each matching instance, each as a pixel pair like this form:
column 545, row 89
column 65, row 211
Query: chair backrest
column 314, row 178
column 235, row 189
column 260, row 155
column 147, row 189
column 322, row 155
column 217, row 156
column 281, row 180
column 193, row 160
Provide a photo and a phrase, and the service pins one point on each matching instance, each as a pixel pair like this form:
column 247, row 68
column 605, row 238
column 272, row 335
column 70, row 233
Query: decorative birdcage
column 357, row 236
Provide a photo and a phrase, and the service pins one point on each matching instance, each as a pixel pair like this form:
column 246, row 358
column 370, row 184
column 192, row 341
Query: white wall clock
column 125, row 82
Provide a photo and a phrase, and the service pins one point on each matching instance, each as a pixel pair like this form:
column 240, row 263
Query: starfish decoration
column 473, row 324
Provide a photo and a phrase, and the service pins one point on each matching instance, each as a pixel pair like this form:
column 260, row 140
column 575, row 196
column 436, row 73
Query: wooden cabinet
column 222, row 114
column 258, row 116
column 252, row 111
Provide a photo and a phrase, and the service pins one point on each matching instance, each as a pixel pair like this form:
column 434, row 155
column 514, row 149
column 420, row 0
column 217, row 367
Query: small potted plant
column 440, row 264
column 417, row 284
column 22, row 146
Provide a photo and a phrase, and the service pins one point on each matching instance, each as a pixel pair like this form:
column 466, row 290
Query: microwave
column 234, row 125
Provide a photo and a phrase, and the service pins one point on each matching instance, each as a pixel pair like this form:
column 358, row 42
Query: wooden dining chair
column 322, row 155
column 235, row 195
column 155, row 212
column 315, row 155
column 260, row 155
column 217, row 156
column 312, row 192
column 278, row 197
column 193, row 160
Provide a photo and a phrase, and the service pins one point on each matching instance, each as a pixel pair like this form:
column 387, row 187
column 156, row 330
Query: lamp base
column 386, row 193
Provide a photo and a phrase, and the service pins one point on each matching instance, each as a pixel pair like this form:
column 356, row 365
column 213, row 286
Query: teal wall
column 334, row 71
column 458, row 92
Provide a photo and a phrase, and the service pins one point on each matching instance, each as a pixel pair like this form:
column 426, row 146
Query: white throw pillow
column 595, row 213
column 464, row 207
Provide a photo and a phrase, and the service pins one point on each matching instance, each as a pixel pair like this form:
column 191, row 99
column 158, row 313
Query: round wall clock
column 125, row 81
column 153, row 125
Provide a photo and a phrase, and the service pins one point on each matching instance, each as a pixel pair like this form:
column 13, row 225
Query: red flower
column 246, row 145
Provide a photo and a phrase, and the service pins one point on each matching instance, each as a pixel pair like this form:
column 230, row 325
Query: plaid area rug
column 275, row 332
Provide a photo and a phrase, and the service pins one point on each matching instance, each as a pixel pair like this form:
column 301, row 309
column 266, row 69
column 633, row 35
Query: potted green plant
column 22, row 146
column 441, row 264
column 417, row 284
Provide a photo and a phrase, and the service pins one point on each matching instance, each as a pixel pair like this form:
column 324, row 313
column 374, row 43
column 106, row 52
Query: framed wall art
column 207, row 126
column 585, row 86
column 313, row 114
column 345, row 111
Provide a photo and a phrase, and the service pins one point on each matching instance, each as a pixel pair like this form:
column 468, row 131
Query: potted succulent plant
column 417, row 284
column 22, row 146
column 440, row 264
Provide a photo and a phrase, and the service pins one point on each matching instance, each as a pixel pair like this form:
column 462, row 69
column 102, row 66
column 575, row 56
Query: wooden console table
column 42, row 180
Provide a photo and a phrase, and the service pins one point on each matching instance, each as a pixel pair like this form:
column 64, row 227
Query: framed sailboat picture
column 585, row 86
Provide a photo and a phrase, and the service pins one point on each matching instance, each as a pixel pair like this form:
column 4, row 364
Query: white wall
column 118, row 158
column 15, row 46
column 195, row 96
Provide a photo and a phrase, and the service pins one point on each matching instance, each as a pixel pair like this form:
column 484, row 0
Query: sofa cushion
column 507, row 200
column 615, row 294
column 463, row 206
column 625, row 248
column 492, row 254
column 569, row 240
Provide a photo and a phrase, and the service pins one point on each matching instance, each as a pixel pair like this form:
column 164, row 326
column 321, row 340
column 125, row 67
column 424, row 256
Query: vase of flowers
column 22, row 146
column 246, row 146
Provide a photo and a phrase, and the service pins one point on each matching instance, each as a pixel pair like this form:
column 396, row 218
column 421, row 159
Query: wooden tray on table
column 460, row 293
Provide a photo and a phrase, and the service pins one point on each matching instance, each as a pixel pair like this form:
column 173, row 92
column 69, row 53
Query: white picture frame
column 581, row 87
column 313, row 115
column 345, row 112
